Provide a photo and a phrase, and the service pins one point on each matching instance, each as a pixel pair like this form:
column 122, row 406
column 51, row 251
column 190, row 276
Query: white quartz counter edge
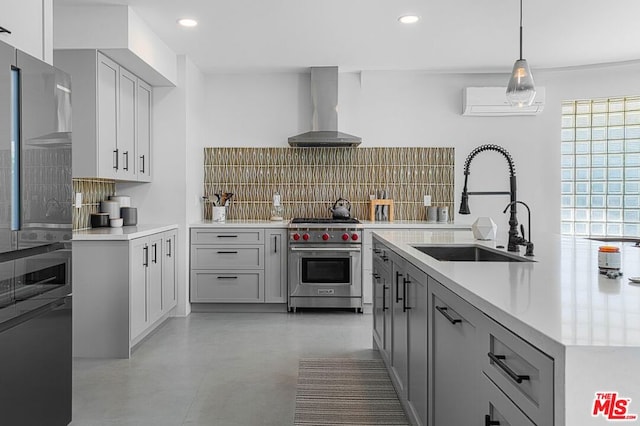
column 399, row 224
column 120, row 234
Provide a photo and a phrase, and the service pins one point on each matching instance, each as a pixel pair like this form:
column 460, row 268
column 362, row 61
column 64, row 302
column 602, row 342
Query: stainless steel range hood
column 324, row 125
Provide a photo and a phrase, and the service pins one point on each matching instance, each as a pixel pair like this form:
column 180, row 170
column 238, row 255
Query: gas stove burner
column 323, row 220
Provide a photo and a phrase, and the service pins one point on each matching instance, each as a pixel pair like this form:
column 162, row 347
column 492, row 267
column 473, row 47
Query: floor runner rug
column 339, row 391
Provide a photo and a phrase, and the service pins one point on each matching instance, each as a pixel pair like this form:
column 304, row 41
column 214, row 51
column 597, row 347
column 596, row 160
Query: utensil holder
column 219, row 214
column 377, row 202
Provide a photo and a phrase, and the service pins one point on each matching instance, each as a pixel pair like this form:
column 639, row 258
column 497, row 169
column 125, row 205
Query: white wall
column 422, row 109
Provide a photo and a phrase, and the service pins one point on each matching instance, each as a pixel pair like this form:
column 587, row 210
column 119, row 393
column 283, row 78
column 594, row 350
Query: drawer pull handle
column 405, row 293
column 376, row 276
column 384, row 258
column 384, row 297
column 398, row 275
column 227, row 252
column 227, row 236
column 497, row 360
column 227, row 278
column 444, row 311
column 489, row 422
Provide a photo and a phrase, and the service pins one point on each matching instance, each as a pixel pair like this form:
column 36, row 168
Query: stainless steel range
column 325, row 266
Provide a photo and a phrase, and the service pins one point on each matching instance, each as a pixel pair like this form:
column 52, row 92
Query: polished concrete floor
column 215, row 369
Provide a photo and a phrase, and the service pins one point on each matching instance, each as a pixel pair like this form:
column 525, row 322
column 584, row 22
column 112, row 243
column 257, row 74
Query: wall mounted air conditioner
column 492, row 102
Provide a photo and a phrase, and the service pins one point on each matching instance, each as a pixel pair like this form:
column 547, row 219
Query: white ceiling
column 453, row 35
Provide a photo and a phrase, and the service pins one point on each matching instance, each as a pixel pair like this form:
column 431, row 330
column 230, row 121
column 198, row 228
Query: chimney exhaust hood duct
column 324, row 95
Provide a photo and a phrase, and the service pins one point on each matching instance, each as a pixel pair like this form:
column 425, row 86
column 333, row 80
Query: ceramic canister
column 124, row 200
column 99, row 220
column 111, row 207
column 129, row 215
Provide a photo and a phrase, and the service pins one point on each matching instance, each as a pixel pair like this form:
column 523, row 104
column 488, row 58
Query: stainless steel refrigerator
column 35, row 241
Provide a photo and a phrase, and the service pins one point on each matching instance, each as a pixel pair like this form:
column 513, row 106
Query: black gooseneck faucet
column 514, row 238
column 527, row 243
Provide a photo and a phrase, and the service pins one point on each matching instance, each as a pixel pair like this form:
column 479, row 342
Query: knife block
column 372, row 208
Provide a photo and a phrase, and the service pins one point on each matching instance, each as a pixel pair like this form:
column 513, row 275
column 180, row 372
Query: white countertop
column 366, row 224
column 120, row 234
column 560, row 298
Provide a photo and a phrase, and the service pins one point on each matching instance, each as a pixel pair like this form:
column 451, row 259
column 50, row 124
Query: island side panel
column 101, row 299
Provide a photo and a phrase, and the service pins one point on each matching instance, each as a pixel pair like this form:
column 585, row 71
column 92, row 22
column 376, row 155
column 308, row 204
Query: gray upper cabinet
column 112, row 117
column 143, row 153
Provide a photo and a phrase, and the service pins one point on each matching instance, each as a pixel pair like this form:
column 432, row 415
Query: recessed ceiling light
column 409, row 19
column 187, row 22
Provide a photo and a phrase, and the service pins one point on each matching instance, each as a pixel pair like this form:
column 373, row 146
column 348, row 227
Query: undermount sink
column 468, row 254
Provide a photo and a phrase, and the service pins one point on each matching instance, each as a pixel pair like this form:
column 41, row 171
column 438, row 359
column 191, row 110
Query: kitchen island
column 582, row 325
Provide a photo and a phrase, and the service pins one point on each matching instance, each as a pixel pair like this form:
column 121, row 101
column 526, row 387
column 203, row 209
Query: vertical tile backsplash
column 93, row 191
column 311, row 179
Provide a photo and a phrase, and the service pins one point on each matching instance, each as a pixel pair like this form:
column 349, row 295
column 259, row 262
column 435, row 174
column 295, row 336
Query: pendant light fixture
column 521, row 90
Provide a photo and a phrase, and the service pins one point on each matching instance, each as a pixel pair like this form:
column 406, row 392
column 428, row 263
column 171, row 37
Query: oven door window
column 326, row 270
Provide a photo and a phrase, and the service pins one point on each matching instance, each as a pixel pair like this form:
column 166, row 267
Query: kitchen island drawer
column 227, row 257
column 230, row 286
column 521, row 371
column 227, row 236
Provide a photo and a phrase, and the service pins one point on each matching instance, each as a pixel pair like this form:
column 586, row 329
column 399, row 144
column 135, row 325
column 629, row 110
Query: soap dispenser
column 276, row 208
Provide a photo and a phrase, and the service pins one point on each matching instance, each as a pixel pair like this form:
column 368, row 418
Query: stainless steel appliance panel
column 332, row 272
column 7, row 61
column 46, row 188
column 35, row 367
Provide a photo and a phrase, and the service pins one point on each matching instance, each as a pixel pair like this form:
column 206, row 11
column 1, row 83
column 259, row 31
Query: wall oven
column 325, row 266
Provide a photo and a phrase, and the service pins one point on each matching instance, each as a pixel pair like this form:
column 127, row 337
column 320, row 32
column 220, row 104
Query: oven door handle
column 342, row 249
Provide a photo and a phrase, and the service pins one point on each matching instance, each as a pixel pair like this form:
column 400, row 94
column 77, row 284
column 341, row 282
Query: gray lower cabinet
column 275, row 266
column 415, row 302
column 456, row 356
column 122, row 291
column 169, row 270
column 382, row 302
column 498, row 409
column 399, row 344
column 238, row 265
column 450, row 363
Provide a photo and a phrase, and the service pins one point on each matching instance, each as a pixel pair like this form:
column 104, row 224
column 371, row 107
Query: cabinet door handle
column 169, row 247
column 384, row 258
column 142, row 168
column 497, row 360
column 228, row 252
column 4, row 30
column 275, row 244
column 405, row 295
column 444, row 311
column 227, row 236
column 489, row 422
column 115, row 153
column 384, row 297
column 227, row 278
column 155, row 253
column 145, row 258
column 398, row 275
column 376, row 276
column 125, row 156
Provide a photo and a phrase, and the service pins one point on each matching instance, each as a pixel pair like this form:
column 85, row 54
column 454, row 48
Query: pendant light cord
column 520, row 29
